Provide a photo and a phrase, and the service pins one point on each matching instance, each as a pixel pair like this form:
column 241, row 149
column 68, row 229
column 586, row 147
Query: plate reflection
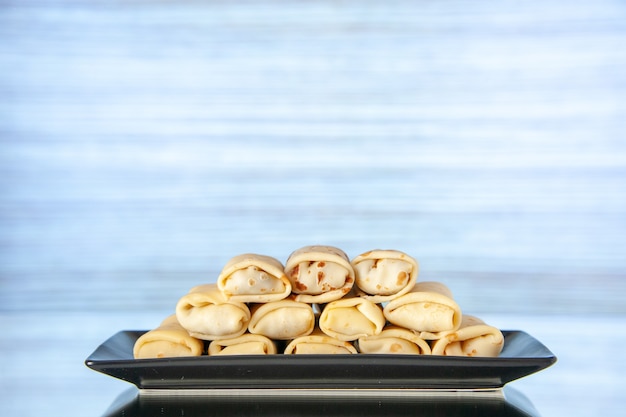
column 506, row 402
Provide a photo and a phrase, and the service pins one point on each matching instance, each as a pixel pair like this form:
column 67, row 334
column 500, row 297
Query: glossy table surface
column 143, row 143
column 507, row 403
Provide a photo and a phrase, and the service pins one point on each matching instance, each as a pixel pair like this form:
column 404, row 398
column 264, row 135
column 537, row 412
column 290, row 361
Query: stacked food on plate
column 320, row 302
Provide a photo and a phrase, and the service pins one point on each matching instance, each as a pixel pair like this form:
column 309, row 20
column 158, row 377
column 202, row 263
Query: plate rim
column 129, row 369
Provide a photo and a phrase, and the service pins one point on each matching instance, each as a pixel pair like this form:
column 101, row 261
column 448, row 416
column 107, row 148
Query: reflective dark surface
column 511, row 403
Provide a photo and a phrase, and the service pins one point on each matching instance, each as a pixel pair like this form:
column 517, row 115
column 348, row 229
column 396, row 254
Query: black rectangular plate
column 522, row 355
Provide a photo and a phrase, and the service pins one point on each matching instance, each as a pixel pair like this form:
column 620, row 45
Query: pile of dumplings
column 320, row 302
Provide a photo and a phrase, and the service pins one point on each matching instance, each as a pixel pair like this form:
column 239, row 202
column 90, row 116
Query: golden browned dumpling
column 319, row 274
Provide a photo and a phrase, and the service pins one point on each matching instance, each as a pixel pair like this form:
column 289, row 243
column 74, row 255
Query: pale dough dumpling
column 168, row 340
column 473, row 338
column 394, row 340
column 207, row 314
column 428, row 309
column 318, row 343
column 383, row 275
column 350, row 318
column 253, row 278
column 282, row 320
column 246, row 344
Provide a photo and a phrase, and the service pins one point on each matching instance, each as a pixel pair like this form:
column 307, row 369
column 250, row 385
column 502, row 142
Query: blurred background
column 143, row 143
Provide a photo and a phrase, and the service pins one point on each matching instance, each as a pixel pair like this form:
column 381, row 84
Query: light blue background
column 144, row 143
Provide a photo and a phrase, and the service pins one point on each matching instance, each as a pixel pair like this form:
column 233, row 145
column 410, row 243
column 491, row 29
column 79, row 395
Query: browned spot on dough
column 349, row 279
column 320, row 276
column 402, row 276
column 300, row 286
column 395, row 347
column 295, row 271
column 321, row 264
